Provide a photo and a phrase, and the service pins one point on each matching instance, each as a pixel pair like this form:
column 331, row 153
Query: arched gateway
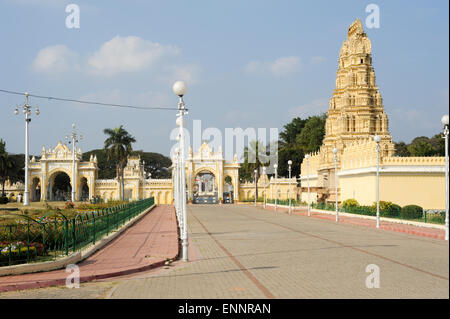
column 209, row 178
column 51, row 176
column 206, row 172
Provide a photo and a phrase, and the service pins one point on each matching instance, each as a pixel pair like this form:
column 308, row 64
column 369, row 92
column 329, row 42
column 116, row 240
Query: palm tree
column 254, row 158
column 118, row 147
column 6, row 164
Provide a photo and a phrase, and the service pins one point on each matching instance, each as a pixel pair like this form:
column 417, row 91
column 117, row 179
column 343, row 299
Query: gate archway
column 35, row 189
column 83, row 190
column 205, row 187
column 59, row 186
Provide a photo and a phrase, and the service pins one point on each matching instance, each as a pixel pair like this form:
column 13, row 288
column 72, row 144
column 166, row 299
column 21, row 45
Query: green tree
column 17, row 173
column 118, row 147
column 401, row 149
column 6, row 165
column 156, row 164
column 289, row 148
column 438, row 144
column 421, row 146
column 288, row 137
column 311, row 137
column 254, row 158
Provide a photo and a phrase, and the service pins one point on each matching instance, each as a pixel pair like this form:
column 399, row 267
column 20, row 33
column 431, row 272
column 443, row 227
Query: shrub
column 363, row 210
column 388, row 209
column 69, row 205
column 392, row 211
column 4, row 200
column 411, row 212
column 348, row 203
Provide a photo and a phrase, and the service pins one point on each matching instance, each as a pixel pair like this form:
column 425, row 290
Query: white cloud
column 127, row 54
column 282, row 66
column 318, row 59
column 316, row 107
column 55, row 59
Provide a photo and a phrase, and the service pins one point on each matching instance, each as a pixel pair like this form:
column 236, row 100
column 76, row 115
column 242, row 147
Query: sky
column 249, row 64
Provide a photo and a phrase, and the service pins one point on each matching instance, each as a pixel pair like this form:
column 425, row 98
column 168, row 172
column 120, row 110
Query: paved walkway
column 146, row 244
column 384, row 225
column 240, row 251
column 248, row 252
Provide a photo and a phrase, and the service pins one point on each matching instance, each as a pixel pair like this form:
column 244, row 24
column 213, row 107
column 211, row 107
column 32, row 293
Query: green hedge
column 411, row 212
column 4, row 200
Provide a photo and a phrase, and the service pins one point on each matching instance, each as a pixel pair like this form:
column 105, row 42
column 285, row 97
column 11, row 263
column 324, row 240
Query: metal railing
column 29, row 240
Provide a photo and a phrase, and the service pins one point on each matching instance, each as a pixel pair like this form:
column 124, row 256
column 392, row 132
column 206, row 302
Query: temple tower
column 356, row 108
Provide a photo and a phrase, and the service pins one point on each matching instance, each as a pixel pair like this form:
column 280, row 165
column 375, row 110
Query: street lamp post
column 307, row 181
column 149, row 185
column 254, row 178
column 74, row 141
column 27, row 111
column 444, row 121
column 335, row 150
column 264, row 176
column 377, row 139
column 143, row 180
column 179, row 88
column 275, row 166
column 176, row 184
column 290, row 169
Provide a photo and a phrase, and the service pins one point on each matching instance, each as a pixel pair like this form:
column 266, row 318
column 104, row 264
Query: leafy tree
column 298, row 138
column 156, row 164
column 254, row 158
column 289, row 148
column 401, row 149
column 106, row 168
column 6, row 165
column 311, row 137
column 421, row 146
column 438, row 144
column 294, row 154
column 118, row 147
column 288, row 137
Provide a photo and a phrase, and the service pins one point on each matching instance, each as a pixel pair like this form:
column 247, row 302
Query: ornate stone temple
column 356, row 107
column 356, row 114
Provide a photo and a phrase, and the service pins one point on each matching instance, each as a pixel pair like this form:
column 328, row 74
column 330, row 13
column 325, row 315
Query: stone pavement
column 248, row 252
column 146, row 244
column 240, row 251
column 358, row 221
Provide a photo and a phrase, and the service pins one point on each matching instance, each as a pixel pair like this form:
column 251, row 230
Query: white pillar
column 307, row 176
column 26, row 195
column 290, row 169
column 276, row 185
column 184, row 237
column 446, row 131
column 336, row 183
column 378, row 185
column 264, row 176
column 74, row 186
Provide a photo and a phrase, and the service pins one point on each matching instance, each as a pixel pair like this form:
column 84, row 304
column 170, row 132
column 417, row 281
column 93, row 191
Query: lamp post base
column 184, row 245
column 26, row 199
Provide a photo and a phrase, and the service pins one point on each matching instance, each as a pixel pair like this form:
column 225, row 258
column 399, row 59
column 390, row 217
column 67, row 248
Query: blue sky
column 247, row 64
